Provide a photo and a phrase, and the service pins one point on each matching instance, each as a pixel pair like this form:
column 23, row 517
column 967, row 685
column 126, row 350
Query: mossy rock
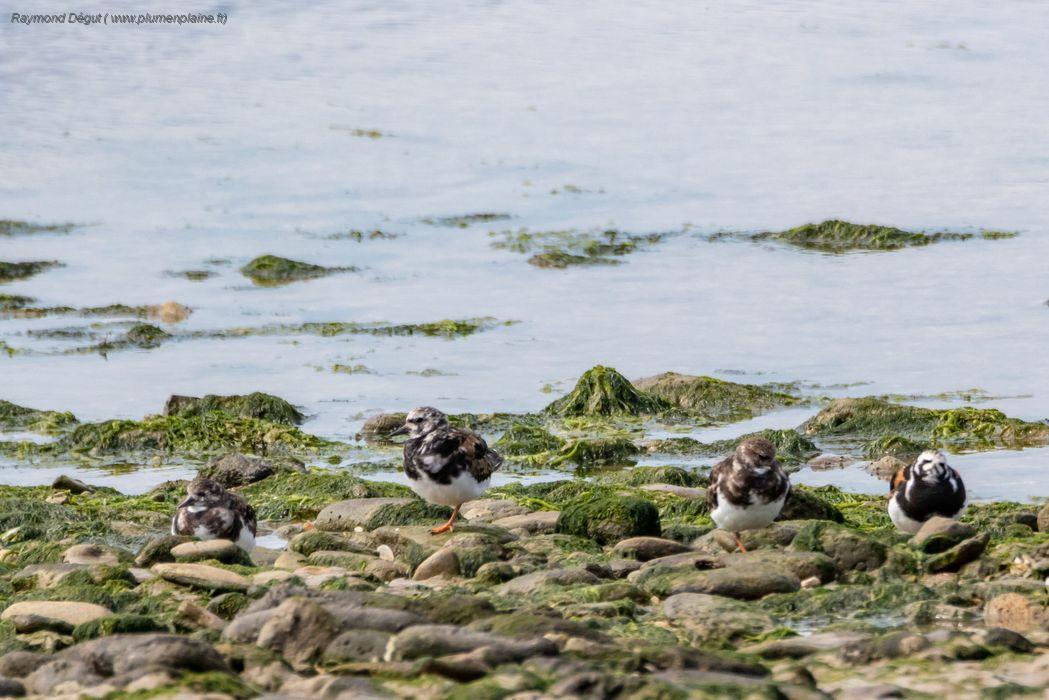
column 524, row 439
column 639, row 476
column 10, row 271
column 845, row 601
column 116, row 624
column 14, row 302
column 803, row 504
column 836, row 236
column 716, row 399
column 967, row 427
column 895, row 446
column 270, row 270
column 15, row 417
column 228, row 605
column 306, row 543
column 296, row 496
column 607, row 520
column 254, row 405
column 602, row 391
column 597, row 452
column 145, row 335
column 850, row 549
column 210, row 432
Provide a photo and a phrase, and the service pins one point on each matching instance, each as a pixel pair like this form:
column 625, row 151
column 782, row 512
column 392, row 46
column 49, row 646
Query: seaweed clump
column 602, row 391
column 271, row 270
column 524, row 439
column 11, row 271
column 298, row 496
column 716, row 399
column 15, row 417
column 13, row 227
column 254, row 405
column 561, row 249
column 967, row 427
column 837, row 236
column 607, row 520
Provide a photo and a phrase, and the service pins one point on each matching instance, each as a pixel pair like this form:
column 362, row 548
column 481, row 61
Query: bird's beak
column 403, row 430
column 186, row 501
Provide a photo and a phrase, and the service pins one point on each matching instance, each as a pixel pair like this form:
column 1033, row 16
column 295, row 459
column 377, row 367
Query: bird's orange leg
column 739, row 542
column 447, row 527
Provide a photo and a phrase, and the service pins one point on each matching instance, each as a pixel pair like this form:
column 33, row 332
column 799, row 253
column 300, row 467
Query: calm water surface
column 183, row 145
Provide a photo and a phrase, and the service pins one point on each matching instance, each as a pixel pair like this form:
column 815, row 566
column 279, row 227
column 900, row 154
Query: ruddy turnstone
column 210, row 512
column 445, row 465
column 748, row 489
column 926, row 488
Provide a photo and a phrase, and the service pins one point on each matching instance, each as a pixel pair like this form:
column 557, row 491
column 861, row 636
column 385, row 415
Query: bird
column 210, row 512
column 926, row 488
column 747, row 489
column 445, row 465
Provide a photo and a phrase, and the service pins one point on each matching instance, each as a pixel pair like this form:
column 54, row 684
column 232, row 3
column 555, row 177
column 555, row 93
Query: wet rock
column 646, row 548
column 886, row 467
column 59, row 672
column 1006, row 639
column 888, row 646
column 357, row 645
column 491, row 509
column 255, row 405
column 224, row 551
column 159, row 550
column 536, row 581
column 959, row 555
column 443, row 562
column 1014, row 612
column 621, row 568
column 710, row 619
column 237, row 470
column 746, row 581
column 802, row 565
column 68, row 483
column 440, row 640
column 89, row 554
column 939, row 534
column 543, row 521
column 202, row 576
column 19, row 664
column 382, row 424
column 849, row 548
column 191, row 615
column 298, row 630
column 38, row 614
column 800, row 647
column 370, row 513
column 609, row 519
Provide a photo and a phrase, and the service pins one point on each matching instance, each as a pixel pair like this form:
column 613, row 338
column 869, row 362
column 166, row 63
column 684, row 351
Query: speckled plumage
column 923, row 489
column 211, row 512
column 748, row 489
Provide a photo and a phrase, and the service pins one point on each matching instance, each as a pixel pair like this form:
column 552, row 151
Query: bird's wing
column 717, row 473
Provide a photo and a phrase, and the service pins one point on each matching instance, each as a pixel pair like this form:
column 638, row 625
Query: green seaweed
column 15, row 417
column 271, row 270
column 836, row 236
column 607, row 520
column 254, row 405
column 297, row 496
column 466, row 220
column 11, row 271
column 526, row 439
column 561, row 249
column 716, row 399
column 602, row 391
column 12, row 227
column 596, row 452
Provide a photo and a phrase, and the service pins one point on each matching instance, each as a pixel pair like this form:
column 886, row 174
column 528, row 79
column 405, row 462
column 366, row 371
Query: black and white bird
column 210, row 512
column 923, row 489
column 747, row 490
column 445, row 465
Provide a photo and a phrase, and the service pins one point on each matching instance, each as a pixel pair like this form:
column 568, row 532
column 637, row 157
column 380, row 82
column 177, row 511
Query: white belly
column 461, row 489
column 246, row 540
column 733, row 518
column 901, row 520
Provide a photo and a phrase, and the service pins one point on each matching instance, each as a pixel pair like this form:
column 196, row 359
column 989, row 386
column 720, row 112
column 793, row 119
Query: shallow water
column 179, row 145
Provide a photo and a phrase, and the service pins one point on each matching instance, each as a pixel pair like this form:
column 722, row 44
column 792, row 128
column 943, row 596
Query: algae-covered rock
column 642, row 476
column 254, row 405
column 561, row 249
column 607, row 520
column 959, row 555
column 370, row 513
column 15, row 227
column 966, row 427
column 15, row 417
column 596, row 452
column 602, row 391
column 804, row 504
column 270, row 270
column 144, row 335
column 10, row 271
column 716, row 399
column 850, row 549
column 743, row 581
column 296, row 496
column 836, row 236
column 525, row 439
column 382, row 424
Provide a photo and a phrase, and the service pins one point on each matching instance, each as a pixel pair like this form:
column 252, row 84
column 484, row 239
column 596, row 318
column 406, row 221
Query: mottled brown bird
column 748, row 489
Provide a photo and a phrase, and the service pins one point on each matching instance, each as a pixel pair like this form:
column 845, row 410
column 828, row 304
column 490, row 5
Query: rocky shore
column 613, row 585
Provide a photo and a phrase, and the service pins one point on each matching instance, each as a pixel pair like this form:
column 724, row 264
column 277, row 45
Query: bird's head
column 203, row 493
column 422, row 421
column 931, row 465
column 754, row 453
